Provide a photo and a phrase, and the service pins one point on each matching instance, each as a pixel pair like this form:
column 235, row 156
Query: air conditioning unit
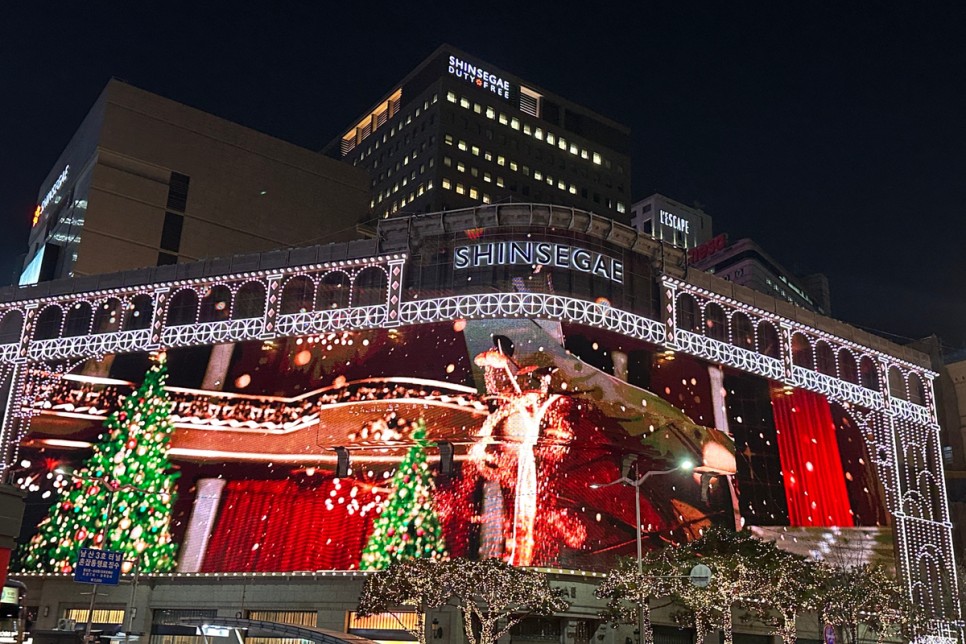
column 64, row 624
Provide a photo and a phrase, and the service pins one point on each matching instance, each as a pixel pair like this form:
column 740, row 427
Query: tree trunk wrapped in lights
column 736, row 574
column 629, row 591
column 491, row 593
column 414, row 583
column 869, row 596
column 122, row 498
column 499, row 596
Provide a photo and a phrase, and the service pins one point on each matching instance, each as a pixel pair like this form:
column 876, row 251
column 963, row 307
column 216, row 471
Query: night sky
column 836, row 138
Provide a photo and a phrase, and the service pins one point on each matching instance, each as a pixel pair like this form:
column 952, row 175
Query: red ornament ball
column 131, row 444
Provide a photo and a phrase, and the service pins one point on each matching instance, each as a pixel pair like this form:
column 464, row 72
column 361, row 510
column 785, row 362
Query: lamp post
column 112, row 488
column 636, row 484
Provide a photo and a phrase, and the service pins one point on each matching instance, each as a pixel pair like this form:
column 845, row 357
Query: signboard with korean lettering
column 98, row 566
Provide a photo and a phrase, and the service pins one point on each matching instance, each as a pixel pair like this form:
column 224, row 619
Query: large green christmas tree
column 408, row 526
column 130, row 467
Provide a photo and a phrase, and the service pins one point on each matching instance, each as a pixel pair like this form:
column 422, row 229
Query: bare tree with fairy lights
column 413, row 583
column 630, row 592
column 498, row 596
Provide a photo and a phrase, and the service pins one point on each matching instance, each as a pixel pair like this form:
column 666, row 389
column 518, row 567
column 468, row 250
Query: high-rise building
column 745, row 262
column 148, row 181
column 671, row 221
column 458, row 132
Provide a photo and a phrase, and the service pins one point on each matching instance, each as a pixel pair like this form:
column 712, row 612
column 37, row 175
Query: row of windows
column 396, row 187
column 461, row 189
column 420, row 190
column 536, row 132
column 403, row 121
column 538, row 175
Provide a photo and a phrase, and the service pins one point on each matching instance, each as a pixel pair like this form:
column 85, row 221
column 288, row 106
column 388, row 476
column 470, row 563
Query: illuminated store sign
column 51, row 194
column 538, row 254
column 671, row 220
column 479, row 77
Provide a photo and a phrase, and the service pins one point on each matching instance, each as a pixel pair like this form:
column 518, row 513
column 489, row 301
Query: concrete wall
column 248, row 191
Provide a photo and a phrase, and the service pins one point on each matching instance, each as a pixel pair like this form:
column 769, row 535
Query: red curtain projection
column 811, row 465
column 279, row 526
column 272, row 526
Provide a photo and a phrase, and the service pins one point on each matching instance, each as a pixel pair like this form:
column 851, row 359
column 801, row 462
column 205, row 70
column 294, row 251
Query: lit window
column 475, row 150
column 562, row 143
column 488, row 156
column 474, row 194
column 487, row 177
column 406, row 160
column 446, row 183
column 477, row 108
column 551, row 139
column 549, row 180
column 537, row 175
column 561, row 185
column 486, row 198
column 620, row 207
column 490, row 113
column 420, row 190
column 429, row 184
column 462, row 145
column 527, row 129
column 460, row 166
column 499, row 181
column 515, row 124
column 503, row 119
column 501, row 160
column 573, row 189
column 513, row 165
column 460, row 189
column 573, row 149
column 538, row 133
column 448, row 139
column 596, row 158
column 464, row 103
column 418, row 111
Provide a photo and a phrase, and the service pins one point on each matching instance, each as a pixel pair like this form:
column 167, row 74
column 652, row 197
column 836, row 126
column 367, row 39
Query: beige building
column 147, row 181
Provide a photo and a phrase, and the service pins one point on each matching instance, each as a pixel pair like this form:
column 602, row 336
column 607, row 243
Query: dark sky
column 834, row 137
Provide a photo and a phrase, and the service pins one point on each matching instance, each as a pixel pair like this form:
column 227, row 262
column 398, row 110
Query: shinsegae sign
column 509, row 253
column 479, row 77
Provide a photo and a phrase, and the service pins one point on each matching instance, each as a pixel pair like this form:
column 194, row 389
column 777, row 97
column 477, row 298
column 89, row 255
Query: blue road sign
column 98, row 566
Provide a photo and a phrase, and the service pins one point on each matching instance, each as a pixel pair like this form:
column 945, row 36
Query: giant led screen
column 492, row 438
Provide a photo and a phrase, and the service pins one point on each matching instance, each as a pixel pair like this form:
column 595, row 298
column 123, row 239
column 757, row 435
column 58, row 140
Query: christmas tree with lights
column 408, row 527
column 121, row 499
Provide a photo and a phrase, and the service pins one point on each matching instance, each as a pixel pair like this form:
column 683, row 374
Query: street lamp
column 113, row 488
column 686, row 466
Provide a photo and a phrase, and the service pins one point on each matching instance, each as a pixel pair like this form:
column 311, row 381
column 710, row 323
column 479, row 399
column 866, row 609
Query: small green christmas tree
column 408, row 526
column 130, row 467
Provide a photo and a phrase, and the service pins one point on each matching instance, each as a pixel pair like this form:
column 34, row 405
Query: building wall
column 246, row 191
column 332, row 598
